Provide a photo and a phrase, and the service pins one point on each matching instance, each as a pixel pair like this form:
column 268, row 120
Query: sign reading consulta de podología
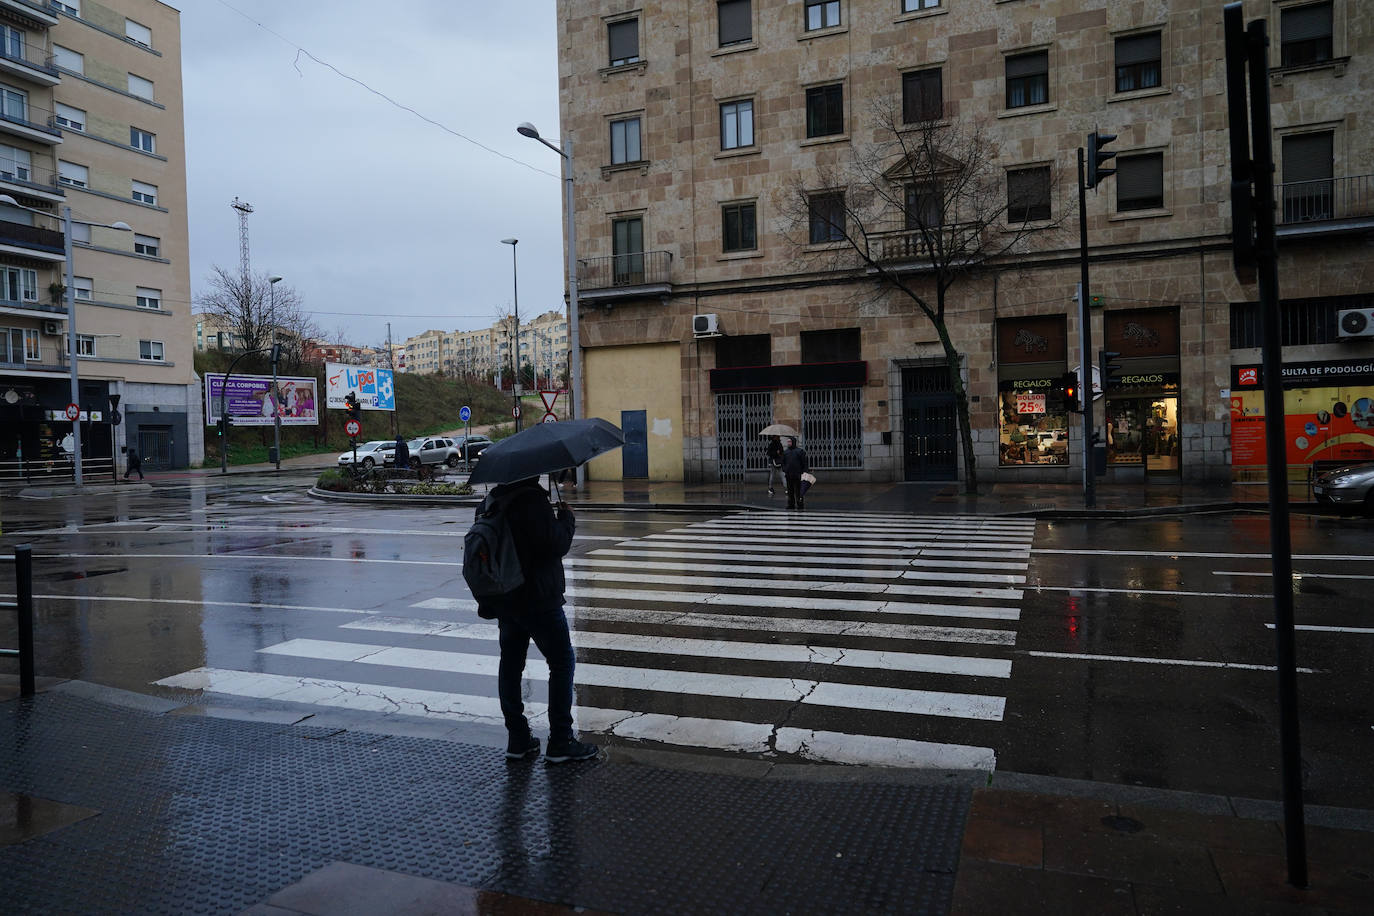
column 375, row 389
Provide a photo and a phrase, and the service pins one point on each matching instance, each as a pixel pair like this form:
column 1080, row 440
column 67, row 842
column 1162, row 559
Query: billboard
column 250, row 402
column 374, row 387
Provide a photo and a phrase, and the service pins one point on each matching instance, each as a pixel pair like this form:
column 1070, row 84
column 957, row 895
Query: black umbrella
column 544, row 448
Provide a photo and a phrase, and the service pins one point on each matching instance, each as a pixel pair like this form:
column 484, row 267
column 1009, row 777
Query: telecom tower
column 244, row 209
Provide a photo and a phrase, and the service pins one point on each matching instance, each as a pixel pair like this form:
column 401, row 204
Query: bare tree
column 911, row 214
column 248, row 307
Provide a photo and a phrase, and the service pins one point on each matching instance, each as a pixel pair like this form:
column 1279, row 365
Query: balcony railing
column 21, row 236
column 28, row 176
column 622, row 271
column 903, row 246
column 29, row 57
column 1327, row 199
column 22, row 120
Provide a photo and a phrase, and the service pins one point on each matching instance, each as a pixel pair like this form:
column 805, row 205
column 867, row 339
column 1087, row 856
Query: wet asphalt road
column 1136, row 652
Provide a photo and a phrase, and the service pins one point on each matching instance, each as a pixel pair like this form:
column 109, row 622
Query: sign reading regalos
column 249, row 399
column 374, row 388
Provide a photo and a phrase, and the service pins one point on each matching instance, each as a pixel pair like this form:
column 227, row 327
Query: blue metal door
column 634, row 456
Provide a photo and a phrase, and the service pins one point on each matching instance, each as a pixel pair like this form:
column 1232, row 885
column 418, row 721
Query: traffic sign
column 465, row 413
column 549, row 418
column 116, row 418
column 549, row 398
column 73, row 411
column 515, row 411
column 352, row 427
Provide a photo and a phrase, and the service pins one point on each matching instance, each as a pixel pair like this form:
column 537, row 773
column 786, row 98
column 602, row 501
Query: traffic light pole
column 1085, row 382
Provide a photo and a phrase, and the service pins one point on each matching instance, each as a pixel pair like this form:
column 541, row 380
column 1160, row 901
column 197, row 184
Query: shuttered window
column 1028, row 79
column 1028, row 194
column 624, row 41
column 922, row 96
column 1305, row 34
column 1137, row 62
column 1140, row 182
column 736, row 26
column 1308, row 170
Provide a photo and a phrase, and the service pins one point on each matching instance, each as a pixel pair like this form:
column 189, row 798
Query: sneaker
column 563, row 752
column 770, row 491
column 521, row 747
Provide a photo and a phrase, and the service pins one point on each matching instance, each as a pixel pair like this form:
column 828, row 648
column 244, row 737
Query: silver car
column 1349, row 487
column 433, row 450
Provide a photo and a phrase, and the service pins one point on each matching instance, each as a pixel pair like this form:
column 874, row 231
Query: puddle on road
column 90, row 573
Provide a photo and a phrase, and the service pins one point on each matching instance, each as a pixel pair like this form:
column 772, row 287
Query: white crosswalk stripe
column 851, row 638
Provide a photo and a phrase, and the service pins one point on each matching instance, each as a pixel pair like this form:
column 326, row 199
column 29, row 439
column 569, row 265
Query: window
column 1308, row 169
column 150, row 350
column 822, row 15
column 81, row 233
column 68, row 59
column 737, row 230
column 70, row 7
column 33, row 348
column 737, row 124
column 1137, row 62
column 623, row 37
column 922, row 96
column 833, row 427
column 145, row 193
column 627, row 239
column 70, row 173
column 1028, row 79
column 825, row 110
column 142, row 139
column 924, row 205
column 1305, row 35
column 149, row 298
column 147, row 244
column 625, row 141
column 836, row 345
column 14, row 103
column 83, row 288
column 140, row 87
column 85, row 345
column 14, row 163
column 1140, row 182
column 11, row 42
column 1028, row 194
column 20, row 284
column 735, row 22
column 826, row 217
column 138, row 33
column 69, row 117
column 912, row 6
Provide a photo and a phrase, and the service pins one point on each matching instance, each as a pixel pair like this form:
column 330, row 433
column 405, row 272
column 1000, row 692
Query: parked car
column 371, row 454
column 471, row 447
column 1347, row 487
column 433, row 450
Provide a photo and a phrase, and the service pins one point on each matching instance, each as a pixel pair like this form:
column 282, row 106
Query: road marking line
column 1191, row 663
column 207, row 602
column 943, row 591
column 990, row 550
column 293, row 559
column 1363, row 631
column 804, row 557
column 1176, row 554
column 1296, row 575
column 598, row 562
column 1140, row 591
column 696, row 683
column 682, row 731
column 970, row 666
column 987, row 612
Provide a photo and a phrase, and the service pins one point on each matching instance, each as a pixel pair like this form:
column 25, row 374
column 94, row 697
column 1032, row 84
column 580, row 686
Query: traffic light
column 219, row 427
column 1068, row 384
column 1108, row 369
column 351, row 406
column 1097, row 157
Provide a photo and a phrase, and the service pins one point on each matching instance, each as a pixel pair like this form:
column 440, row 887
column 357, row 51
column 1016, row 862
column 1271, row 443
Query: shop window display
column 1034, row 425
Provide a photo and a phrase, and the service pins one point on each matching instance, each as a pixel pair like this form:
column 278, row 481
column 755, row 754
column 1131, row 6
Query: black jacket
column 775, row 452
column 402, row 454
column 794, row 462
column 542, row 538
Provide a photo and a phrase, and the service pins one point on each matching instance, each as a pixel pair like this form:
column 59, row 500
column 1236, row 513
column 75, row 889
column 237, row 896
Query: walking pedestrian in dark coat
column 774, row 454
column 135, row 464
column 402, row 454
column 793, row 466
column 534, row 611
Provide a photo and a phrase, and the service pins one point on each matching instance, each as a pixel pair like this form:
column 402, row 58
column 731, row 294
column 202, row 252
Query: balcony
column 908, row 249
column 32, row 242
column 29, row 64
column 17, row 123
column 625, row 276
column 32, row 308
column 33, row 14
column 21, row 181
column 1326, row 205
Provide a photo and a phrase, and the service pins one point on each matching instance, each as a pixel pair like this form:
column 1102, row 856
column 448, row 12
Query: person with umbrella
column 542, row 535
column 774, row 453
column 793, row 467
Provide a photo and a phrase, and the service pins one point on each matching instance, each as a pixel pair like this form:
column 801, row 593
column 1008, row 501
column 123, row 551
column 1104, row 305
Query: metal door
column 929, row 424
column 155, row 447
column 634, row 455
column 739, row 447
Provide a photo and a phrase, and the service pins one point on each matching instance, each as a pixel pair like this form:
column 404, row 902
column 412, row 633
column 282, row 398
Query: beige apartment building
column 740, row 195
column 92, row 121
column 486, row 351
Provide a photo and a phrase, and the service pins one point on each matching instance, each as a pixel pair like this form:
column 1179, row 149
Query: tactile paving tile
column 206, row 815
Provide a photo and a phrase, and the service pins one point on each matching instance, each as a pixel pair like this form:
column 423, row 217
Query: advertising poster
column 250, row 401
column 1320, row 424
column 374, row 388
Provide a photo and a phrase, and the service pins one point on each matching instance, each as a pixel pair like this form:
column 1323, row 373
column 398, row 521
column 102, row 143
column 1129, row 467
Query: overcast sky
column 367, row 211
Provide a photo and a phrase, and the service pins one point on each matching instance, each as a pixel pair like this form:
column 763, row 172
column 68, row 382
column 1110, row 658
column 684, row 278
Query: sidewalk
column 121, row 803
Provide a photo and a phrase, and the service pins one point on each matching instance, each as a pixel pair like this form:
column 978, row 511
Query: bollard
column 23, row 576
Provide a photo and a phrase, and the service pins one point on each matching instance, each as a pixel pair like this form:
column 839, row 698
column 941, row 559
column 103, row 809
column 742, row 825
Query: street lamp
column 70, row 298
column 526, row 129
column 515, row 349
column 276, row 392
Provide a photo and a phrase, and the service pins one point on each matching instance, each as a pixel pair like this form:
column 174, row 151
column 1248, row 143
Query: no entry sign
column 352, row 427
column 73, row 411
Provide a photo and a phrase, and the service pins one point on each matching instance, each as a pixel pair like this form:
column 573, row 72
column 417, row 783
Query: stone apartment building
column 92, row 121
column 724, row 152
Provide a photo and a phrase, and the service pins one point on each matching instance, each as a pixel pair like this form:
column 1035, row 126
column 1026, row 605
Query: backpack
column 491, row 566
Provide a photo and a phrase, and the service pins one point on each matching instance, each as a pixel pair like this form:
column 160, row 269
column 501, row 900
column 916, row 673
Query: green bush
column 335, row 481
column 429, row 488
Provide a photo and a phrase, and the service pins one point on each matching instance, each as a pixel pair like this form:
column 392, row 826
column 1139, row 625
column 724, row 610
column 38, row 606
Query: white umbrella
column 779, row 429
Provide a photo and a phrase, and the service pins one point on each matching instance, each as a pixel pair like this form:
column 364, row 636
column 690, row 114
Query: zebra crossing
column 840, row 637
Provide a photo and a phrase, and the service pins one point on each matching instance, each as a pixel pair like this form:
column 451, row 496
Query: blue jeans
column 549, row 630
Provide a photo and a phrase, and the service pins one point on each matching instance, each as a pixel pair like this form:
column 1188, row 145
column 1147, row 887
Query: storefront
column 1142, row 419
column 1033, row 419
column 1328, row 415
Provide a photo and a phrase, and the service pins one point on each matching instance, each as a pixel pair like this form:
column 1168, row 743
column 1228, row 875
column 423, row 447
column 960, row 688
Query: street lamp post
column 70, row 298
column 276, row 392
column 565, row 152
column 515, row 346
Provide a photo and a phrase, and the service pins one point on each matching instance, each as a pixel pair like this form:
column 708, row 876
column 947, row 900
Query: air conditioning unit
column 706, row 326
column 52, row 328
column 1356, row 322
